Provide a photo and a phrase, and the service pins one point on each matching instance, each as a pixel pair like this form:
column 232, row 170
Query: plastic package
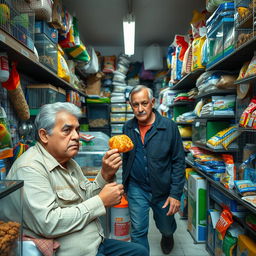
column 152, row 57
column 4, row 67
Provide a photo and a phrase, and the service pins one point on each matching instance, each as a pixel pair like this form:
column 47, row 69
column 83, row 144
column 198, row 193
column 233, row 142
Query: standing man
column 59, row 202
column 153, row 172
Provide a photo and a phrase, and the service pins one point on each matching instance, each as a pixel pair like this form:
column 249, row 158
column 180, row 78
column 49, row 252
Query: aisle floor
column 183, row 243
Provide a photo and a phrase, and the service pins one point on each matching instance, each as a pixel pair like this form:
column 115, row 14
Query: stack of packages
column 220, row 167
column 120, row 87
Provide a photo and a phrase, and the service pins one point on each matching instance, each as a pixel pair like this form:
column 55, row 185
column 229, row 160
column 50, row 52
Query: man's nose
column 75, row 135
column 140, row 108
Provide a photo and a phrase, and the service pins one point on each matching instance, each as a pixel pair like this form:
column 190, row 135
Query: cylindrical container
column 120, row 221
column 4, row 67
column 2, row 170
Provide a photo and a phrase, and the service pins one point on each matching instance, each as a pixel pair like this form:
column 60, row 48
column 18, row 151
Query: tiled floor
column 183, row 242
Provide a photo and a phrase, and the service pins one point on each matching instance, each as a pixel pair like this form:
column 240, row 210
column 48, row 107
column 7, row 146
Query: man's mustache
column 142, row 113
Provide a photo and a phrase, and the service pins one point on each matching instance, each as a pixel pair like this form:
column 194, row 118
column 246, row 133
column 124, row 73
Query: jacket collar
column 159, row 123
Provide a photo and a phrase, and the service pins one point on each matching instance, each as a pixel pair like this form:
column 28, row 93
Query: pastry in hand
column 122, row 142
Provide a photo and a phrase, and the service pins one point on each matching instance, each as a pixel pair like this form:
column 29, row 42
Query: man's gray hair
column 46, row 117
column 138, row 88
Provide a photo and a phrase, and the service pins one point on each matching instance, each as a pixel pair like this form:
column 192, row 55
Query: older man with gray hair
column 60, row 203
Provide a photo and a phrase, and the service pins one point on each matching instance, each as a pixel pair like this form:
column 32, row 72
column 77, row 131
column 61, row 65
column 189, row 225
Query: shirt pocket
column 67, row 197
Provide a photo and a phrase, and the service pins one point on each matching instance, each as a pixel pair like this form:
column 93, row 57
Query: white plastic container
column 4, row 67
column 120, row 221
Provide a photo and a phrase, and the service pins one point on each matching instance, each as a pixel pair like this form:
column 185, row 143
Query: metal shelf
column 221, row 188
column 246, row 80
column 241, row 129
column 28, row 63
column 246, row 23
column 234, row 60
column 181, row 103
column 203, row 146
column 184, row 123
column 211, row 117
column 188, row 81
column 216, row 93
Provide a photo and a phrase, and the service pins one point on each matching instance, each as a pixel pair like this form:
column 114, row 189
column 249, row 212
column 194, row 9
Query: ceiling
column 157, row 21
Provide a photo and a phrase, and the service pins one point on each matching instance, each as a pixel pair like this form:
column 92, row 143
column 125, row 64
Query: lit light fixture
column 129, row 34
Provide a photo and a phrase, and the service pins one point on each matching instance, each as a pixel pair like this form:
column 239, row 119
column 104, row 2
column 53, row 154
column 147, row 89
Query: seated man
column 60, row 203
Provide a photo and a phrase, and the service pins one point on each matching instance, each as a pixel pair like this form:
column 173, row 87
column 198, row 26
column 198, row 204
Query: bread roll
column 122, row 142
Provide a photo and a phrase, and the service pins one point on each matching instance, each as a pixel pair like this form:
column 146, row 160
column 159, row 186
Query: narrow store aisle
column 183, row 242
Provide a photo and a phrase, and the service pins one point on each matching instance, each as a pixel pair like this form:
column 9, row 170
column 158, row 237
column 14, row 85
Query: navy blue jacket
column 165, row 154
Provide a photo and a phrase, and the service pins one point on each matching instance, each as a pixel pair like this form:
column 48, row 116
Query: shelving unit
column 220, row 187
column 216, row 93
column 235, row 60
column 188, row 81
column 28, row 63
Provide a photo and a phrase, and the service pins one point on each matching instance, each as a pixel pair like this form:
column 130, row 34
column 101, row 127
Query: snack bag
column 197, row 45
column 245, row 117
column 245, row 187
column 224, row 222
column 242, row 71
column 227, row 178
column 251, row 70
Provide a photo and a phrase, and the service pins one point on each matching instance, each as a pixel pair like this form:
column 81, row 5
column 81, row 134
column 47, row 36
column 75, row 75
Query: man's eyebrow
column 66, row 126
column 69, row 126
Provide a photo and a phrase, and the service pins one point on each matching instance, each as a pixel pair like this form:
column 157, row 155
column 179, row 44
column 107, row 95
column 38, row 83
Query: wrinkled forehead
column 141, row 95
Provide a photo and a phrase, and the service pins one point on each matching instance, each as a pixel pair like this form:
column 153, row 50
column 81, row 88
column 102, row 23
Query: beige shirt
column 59, row 202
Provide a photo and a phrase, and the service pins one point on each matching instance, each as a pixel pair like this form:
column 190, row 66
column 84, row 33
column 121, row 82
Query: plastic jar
column 120, row 221
column 4, row 67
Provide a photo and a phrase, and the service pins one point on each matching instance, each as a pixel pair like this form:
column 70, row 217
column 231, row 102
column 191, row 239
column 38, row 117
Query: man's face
column 142, row 106
column 63, row 143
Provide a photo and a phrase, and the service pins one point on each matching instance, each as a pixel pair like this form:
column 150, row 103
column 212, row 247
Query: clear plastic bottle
column 4, row 67
column 2, row 170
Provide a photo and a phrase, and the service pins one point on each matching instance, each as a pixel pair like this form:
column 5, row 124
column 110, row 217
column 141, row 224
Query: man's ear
column 43, row 135
column 153, row 101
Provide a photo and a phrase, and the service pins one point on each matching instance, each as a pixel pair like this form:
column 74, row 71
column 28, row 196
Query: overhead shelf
column 28, row 63
column 235, row 60
column 216, row 93
column 188, row 81
column 220, row 187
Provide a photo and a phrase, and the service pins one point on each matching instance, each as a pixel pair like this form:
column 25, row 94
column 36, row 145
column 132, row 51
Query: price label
column 26, row 53
column 2, row 38
column 197, row 124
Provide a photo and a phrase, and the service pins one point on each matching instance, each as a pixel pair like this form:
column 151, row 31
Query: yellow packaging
column 63, row 70
column 197, row 45
column 245, row 246
column 188, row 171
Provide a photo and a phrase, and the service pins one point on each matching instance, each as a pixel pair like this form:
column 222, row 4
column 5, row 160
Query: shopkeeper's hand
column 174, row 205
column 110, row 164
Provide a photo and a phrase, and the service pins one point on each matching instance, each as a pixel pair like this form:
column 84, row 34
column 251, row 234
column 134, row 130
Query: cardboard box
column 212, row 216
column 197, row 207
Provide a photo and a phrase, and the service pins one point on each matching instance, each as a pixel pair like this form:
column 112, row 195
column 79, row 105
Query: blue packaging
column 43, row 27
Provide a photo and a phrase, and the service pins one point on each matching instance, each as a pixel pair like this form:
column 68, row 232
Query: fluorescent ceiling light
column 129, row 34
